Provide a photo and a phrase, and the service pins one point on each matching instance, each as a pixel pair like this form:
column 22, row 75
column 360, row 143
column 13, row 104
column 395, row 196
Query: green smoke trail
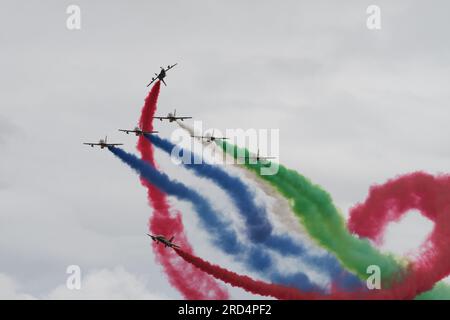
column 440, row 291
column 316, row 211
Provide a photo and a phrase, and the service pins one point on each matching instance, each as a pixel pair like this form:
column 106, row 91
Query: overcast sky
column 354, row 107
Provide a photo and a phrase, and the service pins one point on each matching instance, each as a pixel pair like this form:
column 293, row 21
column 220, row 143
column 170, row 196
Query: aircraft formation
column 171, row 117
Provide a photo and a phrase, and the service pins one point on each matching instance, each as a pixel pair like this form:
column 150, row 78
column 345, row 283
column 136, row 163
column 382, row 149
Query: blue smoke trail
column 222, row 235
column 256, row 218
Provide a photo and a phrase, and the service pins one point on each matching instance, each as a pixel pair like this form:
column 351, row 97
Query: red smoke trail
column 191, row 282
column 245, row 282
column 389, row 202
column 281, row 292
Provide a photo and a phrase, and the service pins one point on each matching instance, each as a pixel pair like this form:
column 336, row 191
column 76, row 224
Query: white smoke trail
column 279, row 205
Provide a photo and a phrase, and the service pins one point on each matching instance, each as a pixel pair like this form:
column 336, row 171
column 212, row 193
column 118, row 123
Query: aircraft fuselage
column 162, row 74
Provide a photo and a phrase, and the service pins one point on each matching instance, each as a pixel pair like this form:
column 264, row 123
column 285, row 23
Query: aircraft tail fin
column 171, row 239
column 162, row 80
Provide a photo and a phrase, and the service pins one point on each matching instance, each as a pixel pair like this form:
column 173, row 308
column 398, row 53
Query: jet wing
column 255, row 158
column 92, row 144
column 153, row 80
column 260, row 158
column 173, row 245
column 182, row 118
column 127, row 131
column 161, row 118
column 113, row 144
column 170, row 67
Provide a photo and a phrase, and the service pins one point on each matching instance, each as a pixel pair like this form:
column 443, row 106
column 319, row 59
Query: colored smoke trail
column 189, row 281
column 222, row 235
column 259, row 227
column 280, row 206
column 245, row 282
column 315, row 209
column 391, row 201
column 317, row 212
column 401, row 291
column 420, row 191
column 256, row 218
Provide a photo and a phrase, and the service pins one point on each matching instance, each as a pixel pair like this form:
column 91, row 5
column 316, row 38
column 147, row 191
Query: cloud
column 9, row 289
column 107, row 284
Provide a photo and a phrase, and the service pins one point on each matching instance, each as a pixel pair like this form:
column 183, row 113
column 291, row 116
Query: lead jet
column 138, row 131
column 209, row 138
column 162, row 74
column 103, row 143
column 164, row 241
column 172, row 117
